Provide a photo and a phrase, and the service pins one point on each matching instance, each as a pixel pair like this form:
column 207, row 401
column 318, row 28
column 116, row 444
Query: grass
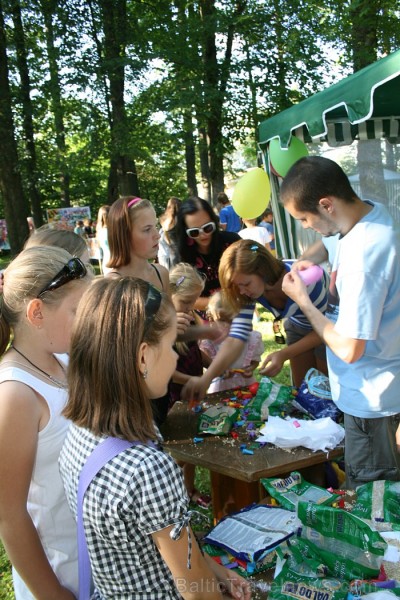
column 264, row 326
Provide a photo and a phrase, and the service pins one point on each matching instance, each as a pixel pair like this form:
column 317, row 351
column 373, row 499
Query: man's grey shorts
column 370, row 449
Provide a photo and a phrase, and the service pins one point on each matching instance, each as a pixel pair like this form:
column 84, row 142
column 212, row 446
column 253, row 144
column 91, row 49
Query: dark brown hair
column 312, row 178
column 107, row 393
column 119, row 229
column 249, row 258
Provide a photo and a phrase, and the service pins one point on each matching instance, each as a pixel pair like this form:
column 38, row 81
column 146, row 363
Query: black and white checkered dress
column 138, row 492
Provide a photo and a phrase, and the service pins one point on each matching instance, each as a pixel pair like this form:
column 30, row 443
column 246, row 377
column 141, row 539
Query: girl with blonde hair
column 42, row 288
column 240, row 372
column 135, row 512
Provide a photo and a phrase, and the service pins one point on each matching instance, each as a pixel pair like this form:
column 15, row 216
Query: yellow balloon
column 251, row 194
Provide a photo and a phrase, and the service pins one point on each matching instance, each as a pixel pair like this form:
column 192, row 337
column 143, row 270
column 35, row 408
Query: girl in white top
column 102, row 236
column 42, row 288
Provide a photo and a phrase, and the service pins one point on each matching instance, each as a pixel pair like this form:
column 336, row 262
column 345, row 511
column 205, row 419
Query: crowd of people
column 89, row 359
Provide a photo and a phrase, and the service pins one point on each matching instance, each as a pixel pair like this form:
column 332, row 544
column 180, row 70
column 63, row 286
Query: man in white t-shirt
column 362, row 324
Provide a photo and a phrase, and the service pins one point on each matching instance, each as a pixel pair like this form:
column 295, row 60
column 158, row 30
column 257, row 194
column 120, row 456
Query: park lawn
column 264, row 326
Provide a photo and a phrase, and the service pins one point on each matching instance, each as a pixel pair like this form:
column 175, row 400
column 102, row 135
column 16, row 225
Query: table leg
column 230, row 495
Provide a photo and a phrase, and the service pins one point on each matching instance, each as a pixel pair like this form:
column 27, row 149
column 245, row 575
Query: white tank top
column 47, row 504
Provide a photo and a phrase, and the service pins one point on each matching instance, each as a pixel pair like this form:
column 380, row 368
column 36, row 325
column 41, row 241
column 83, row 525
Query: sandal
column 202, row 500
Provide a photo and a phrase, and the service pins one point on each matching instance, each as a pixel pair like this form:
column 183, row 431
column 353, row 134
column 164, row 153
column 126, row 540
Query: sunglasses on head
column 194, row 232
column 74, row 269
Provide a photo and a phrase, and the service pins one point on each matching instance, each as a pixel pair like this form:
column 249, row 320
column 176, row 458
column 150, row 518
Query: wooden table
column 235, row 476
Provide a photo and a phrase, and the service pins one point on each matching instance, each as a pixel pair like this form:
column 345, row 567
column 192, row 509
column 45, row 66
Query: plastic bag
column 346, row 544
column 314, row 397
column 293, row 582
column 217, row 420
column 291, row 490
column 379, row 502
column 253, row 532
column 271, row 398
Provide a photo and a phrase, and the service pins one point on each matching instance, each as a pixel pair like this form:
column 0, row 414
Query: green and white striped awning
column 365, row 105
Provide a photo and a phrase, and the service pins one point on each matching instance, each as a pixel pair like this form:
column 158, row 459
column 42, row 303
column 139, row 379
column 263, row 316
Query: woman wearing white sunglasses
column 201, row 243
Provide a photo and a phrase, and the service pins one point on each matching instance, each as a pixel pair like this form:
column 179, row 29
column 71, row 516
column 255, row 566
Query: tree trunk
column 204, row 165
column 48, row 9
column 216, row 79
column 114, row 23
column 27, row 111
column 15, row 205
column 190, row 154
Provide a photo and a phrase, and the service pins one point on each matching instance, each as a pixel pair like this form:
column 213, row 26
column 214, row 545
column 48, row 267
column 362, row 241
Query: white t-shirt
column 257, row 234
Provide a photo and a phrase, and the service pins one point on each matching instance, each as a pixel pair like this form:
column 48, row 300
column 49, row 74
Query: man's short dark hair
column 312, row 178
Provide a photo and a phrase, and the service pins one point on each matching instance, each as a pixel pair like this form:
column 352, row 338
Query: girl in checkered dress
column 135, row 511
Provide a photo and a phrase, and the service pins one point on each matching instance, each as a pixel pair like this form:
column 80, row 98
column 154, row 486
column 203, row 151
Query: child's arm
column 273, row 363
column 204, row 581
column 22, row 415
column 248, row 371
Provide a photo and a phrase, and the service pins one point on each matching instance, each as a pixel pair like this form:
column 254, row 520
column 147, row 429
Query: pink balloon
column 311, row 275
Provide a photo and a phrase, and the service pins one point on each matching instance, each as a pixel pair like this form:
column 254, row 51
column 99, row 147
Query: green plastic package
column 293, row 583
column 218, row 420
column 271, row 398
column 346, row 544
column 289, row 491
column 379, row 503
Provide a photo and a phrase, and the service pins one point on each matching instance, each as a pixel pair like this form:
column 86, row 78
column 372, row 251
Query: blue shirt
column 364, row 303
column 228, row 216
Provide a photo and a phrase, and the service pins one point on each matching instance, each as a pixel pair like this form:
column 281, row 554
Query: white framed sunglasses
column 194, row 232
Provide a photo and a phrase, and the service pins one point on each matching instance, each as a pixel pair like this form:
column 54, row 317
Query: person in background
column 42, row 288
column 62, row 238
column 79, row 228
column 201, row 244
column 267, row 221
column 361, row 327
column 252, row 231
column 229, row 220
column 240, row 373
column 136, row 516
column 186, row 285
column 167, row 252
column 88, row 227
column 102, row 237
column 249, row 274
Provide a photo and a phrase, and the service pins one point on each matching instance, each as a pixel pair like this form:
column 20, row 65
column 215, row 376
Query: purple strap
column 103, row 452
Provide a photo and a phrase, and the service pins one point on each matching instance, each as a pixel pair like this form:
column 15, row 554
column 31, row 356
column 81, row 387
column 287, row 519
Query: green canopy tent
column 363, row 106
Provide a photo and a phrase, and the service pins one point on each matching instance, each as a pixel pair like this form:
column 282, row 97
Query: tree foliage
column 154, row 98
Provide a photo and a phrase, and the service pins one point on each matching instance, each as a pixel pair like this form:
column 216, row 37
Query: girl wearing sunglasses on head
column 42, row 288
column 135, row 510
column 201, row 243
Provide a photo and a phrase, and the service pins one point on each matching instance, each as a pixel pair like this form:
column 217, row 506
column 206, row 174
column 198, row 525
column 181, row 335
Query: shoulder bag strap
column 103, row 452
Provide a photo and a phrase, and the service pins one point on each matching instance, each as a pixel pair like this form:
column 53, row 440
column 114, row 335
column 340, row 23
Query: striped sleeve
column 318, row 293
column 242, row 324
